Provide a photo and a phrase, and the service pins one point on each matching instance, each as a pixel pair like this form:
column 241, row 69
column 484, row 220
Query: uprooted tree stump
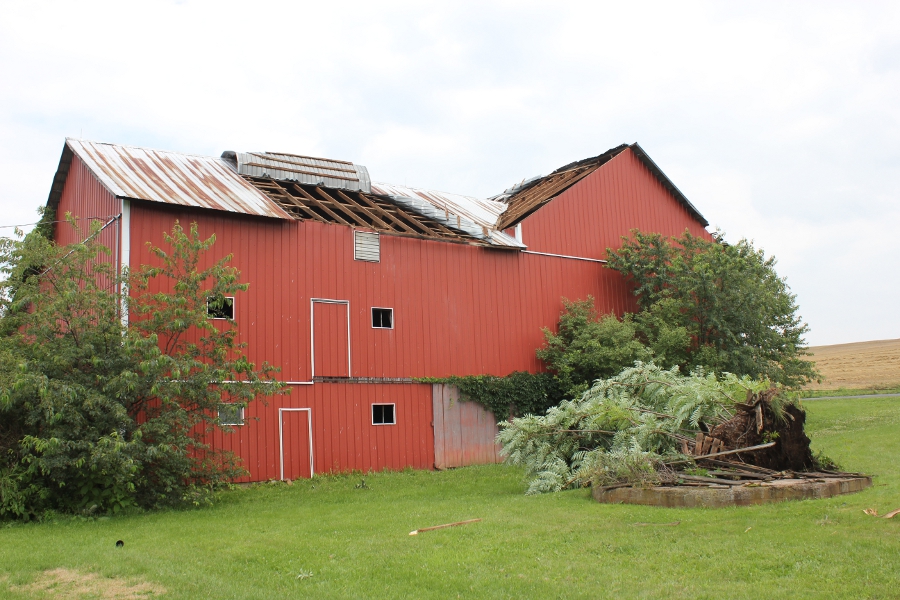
column 767, row 439
column 755, row 423
column 757, row 456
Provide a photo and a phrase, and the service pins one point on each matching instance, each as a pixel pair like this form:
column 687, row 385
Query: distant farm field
column 862, row 365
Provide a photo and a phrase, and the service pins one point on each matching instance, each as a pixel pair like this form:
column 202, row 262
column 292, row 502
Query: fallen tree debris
column 874, row 513
column 418, row 531
column 648, row 427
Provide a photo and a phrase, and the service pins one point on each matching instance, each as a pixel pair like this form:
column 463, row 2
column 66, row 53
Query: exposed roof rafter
column 355, row 209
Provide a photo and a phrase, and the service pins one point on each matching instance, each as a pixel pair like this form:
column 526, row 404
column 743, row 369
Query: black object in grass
column 119, row 544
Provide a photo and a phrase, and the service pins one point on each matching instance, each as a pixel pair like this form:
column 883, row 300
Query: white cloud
column 780, row 121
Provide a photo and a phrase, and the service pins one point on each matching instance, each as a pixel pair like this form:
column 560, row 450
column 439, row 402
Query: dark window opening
column 383, row 414
column 230, row 414
column 220, row 308
column 383, row 318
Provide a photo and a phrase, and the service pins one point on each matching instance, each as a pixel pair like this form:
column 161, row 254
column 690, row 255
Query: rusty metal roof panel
column 308, row 170
column 474, row 216
column 173, row 178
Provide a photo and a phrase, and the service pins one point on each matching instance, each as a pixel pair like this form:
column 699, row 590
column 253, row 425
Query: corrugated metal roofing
column 337, row 174
column 473, row 216
column 169, row 177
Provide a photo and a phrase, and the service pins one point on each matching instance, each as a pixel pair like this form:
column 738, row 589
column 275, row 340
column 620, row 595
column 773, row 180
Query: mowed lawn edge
column 348, row 537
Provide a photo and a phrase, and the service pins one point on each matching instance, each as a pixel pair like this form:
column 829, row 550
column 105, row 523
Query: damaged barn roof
column 473, row 216
column 168, row 177
column 293, row 186
column 528, row 196
column 369, row 211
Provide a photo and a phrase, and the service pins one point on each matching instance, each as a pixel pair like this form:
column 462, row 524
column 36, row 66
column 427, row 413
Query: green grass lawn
column 849, row 392
column 355, row 542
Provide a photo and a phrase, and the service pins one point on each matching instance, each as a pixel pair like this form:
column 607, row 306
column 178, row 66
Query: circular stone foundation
column 778, row 490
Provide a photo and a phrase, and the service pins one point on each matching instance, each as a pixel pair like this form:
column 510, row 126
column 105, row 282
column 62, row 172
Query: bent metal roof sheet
column 308, row 170
column 168, row 177
column 473, row 216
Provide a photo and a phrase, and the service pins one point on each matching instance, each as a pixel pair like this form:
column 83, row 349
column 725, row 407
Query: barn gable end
column 620, row 195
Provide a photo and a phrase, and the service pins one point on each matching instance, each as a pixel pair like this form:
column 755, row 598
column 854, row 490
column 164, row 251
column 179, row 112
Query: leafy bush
column 97, row 415
column 588, row 346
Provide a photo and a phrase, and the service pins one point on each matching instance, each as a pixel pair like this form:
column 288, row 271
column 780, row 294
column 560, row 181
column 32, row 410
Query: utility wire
column 61, row 221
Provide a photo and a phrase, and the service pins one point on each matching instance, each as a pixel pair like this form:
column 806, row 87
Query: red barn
column 357, row 288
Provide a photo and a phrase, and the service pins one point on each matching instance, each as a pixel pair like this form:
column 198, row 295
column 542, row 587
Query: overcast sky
column 779, row 121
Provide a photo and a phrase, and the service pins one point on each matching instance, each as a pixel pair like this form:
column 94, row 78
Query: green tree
column 717, row 305
column 588, row 346
column 98, row 412
column 62, row 435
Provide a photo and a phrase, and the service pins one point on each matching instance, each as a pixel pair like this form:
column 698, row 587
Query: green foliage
column 519, row 393
column 588, row 346
column 96, row 416
column 621, row 428
column 715, row 305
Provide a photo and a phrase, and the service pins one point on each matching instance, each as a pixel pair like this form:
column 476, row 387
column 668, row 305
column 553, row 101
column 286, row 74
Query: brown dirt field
column 860, row 365
column 65, row 583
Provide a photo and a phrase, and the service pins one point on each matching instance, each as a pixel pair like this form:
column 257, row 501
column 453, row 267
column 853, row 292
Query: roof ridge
column 83, row 141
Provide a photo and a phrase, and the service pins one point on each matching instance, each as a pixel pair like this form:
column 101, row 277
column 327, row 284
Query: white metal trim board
column 312, row 333
column 281, row 411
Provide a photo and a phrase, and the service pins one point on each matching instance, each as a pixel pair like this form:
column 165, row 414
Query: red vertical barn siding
column 87, row 200
column 592, row 215
column 458, row 309
column 330, row 331
column 294, row 428
column 344, row 437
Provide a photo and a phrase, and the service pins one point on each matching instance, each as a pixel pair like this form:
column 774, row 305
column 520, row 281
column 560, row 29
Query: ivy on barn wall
column 519, row 393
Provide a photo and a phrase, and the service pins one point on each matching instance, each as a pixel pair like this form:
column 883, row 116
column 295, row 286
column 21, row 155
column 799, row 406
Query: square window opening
column 221, row 307
column 231, row 414
column 383, row 318
column 383, row 414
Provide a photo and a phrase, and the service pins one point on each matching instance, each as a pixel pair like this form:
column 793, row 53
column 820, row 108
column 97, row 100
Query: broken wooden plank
column 740, row 466
column 744, row 474
column 698, row 444
column 433, row 527
column 727, row 452
column 715, row 480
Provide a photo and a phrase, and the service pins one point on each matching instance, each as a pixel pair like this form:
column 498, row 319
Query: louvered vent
column 366, row 246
